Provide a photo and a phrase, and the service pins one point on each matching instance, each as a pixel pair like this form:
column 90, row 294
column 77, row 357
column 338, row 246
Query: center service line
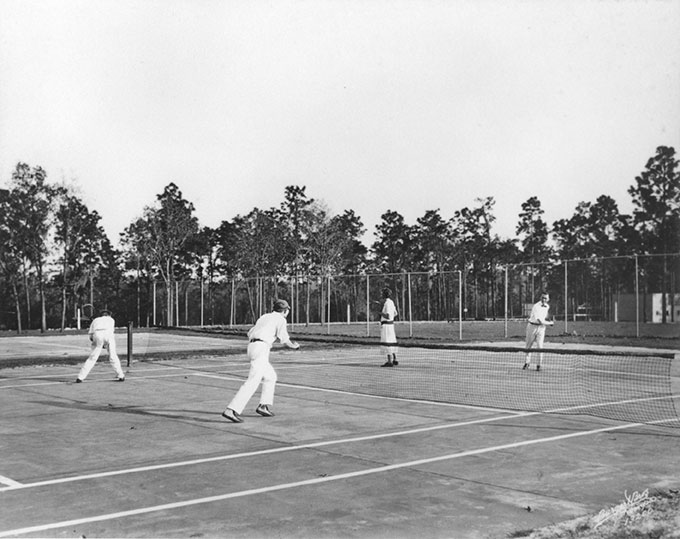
column 307, row 482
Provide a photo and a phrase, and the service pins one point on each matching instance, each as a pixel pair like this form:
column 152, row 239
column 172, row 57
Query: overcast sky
column 372, row 105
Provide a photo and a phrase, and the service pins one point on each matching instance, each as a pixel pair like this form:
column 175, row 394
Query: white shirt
column 269, row 327
column 539, row 313
column 389, row 311
column 102, row 323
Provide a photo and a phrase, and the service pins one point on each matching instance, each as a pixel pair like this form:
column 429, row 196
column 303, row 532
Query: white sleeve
column 282, row 332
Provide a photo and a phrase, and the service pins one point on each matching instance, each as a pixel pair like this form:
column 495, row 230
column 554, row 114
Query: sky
column 372, row 105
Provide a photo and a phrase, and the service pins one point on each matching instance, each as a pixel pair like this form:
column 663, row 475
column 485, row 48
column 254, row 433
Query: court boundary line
column 308, row 482
column 10, row 482
column 312, row 445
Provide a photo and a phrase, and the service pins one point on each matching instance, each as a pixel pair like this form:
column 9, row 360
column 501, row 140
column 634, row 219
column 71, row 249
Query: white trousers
column 535, row 334
column 260, row 371
column 100, row 339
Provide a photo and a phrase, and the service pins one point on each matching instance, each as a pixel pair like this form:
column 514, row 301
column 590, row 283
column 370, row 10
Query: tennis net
column 623, row 386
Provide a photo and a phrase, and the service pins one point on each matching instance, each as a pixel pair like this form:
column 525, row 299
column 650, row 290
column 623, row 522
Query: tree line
column 55, row 256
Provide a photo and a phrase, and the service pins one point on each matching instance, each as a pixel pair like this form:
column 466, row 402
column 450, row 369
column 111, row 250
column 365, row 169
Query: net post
column 129, row 343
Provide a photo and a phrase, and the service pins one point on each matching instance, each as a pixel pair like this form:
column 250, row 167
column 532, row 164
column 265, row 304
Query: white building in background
column 650, row 308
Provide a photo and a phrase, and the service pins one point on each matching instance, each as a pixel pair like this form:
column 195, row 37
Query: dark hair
column 387, row 292
column 281, row 305
column 104, row 312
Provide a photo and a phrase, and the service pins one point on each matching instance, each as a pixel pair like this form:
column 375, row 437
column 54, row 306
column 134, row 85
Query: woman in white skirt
column 388, row 336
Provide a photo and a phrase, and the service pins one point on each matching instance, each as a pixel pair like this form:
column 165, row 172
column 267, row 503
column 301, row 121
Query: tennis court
column 354, row 451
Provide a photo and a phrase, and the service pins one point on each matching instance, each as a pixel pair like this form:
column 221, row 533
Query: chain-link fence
column 637, row 290
column 640, row 289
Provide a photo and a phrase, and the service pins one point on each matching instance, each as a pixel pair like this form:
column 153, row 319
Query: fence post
column 129, row 343
column 186, row 305
column 177, row 303
column 368, row 306
column 566, row 291
column 410, row 304
column 460, row 305
column 232, row 308
column 292, row 303
column 328, row 311
column 154, row 303
column 505, row 332
column 637, row 299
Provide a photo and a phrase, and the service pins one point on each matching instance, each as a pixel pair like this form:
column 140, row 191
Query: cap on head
column 281, row 305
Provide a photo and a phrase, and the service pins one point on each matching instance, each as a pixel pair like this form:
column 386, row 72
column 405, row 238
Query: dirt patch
column 640, row 515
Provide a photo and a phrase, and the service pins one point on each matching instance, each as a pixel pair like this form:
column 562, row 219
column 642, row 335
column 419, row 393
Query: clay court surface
column 152, row 457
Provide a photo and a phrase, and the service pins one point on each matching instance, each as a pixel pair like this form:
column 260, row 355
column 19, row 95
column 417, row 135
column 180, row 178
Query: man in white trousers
column 268, row 328
column 101, row 334
column 538, row 321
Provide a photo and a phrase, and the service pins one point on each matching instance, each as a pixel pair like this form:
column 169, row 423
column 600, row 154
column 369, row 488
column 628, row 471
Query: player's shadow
column 167, row 413
column 41, row 379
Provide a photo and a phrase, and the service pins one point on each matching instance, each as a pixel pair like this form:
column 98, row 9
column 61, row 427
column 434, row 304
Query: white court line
column 509, row 414
column 7, row 481
column 627, row 401
column 348, row 355
column 100, row 380
column 368, row 395
column 308, row 482
column 234, row 363
column 262, row 452
column 97, row 380
column 156, row 367
column 50, row 344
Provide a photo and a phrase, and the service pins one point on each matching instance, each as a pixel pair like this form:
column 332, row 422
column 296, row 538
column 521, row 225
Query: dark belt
column 386, row 322
column 535, row 324
column 256, row 340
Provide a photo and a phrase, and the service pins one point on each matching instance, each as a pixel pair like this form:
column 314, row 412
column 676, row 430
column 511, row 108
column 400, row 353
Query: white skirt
column 388, row 338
